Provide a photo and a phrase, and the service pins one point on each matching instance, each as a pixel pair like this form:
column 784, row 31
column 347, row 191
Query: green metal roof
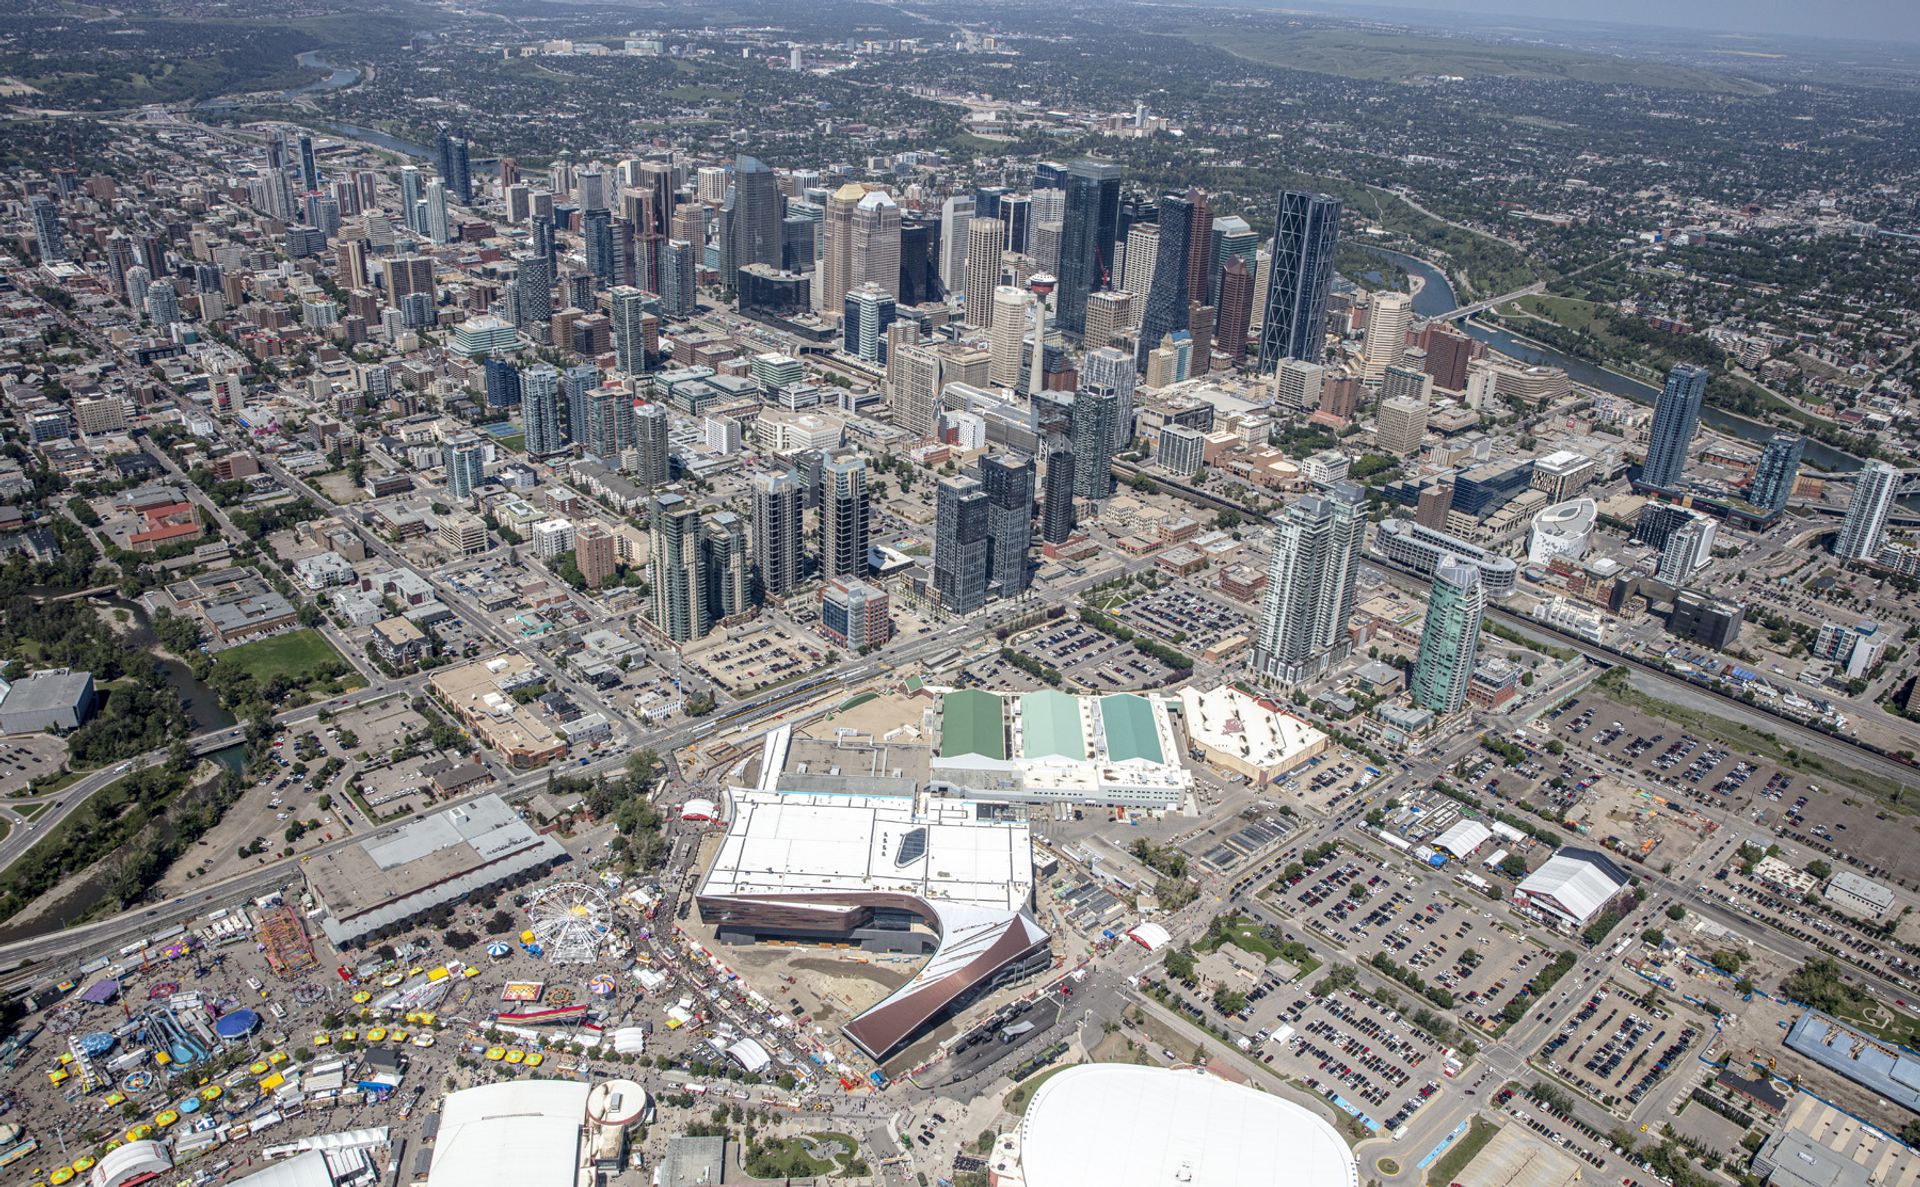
column 970, row 723
column 1130, row 732
column 1050, row 726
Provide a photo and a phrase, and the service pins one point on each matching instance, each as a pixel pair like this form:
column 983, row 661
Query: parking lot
column 1186, row 617
column 1092, row 659
column 1614, row 1048
column 756, row 656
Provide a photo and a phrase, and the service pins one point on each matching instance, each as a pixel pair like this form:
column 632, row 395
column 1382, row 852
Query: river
column 1436, row 299
column 202, row 704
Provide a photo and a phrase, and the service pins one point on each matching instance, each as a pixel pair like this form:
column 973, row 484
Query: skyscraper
column 679, row 572
column 868, row 311
column 1300, row 275
column 1200, row 247
column 1009, row 482
column 754, row 228
column 778, row 507
column 876, row 242
column 1167, row 302
column 534, row 275
column 1142, row 255
column 1450, row 641
column 1056, row 508
column 960, row 544
column 650, row 427
column 1092, row 426
column 1236, row 309
column 1232, row 239
column 437, row 224
column 956, row 214
column 843, row 517
column 1865, row 526
column 1087, row 236
column 1779, row 469
column 596, row 229
column 836, row 260
column 729, row 567
column 47, row 229
column 465, row 459
column 503, row 384
column 1675, row 417
column 609, row 423
column 986, row 240
column 576, row 385
column 1686, row 550
column 410, row 195
column 678, row 287
column 628, row 307
column 309, row 174
column 540, row 412
column 1111, row 370
column 1310, row 584
column 1388, row 315
column 1006, row 342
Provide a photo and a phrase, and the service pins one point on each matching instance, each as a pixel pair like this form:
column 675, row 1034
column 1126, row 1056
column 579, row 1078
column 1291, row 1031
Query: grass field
column 1381, row 56
column 1587, row 316
column 302, row 655
column 1462, row 1152
column 1017, row 1099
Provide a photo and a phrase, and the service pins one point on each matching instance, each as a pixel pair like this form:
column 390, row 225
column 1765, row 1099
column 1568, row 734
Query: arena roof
column 971, row 723
column 1128, row 720
column 1165, row 1126
column 131, row 1161
column 1891, row 1071
column 527, row 1133
column 1581, row 881
column 1050, row 727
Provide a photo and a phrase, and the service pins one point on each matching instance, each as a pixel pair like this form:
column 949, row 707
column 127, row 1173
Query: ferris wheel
column 569, row 920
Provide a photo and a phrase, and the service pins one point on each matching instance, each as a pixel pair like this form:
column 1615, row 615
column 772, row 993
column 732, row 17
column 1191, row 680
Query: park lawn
column 1244, row 934
column 1462, row 1152
column 517, row 442
column 301, row 655
column 787, row 1158
column 1884, row 1022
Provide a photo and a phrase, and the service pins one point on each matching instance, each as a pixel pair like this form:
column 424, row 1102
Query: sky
column 1872, row 20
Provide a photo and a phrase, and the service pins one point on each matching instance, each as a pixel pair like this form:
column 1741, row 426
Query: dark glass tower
column 960, row 544
column 1674, row 419
column 1086, row 240
column 1009, row 480
column 1056, row 512
column 1779, row 469
column 1167, row 307
column 1306, row 231
column 755, row 228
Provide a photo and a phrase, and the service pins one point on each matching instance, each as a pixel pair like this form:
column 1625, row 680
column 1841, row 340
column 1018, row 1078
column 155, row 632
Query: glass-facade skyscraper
column 1779, row 469
column 1450, row 641
column 1310, row 584
column 1674, row 419
column 1009, row 481
column 1087, row 237
column 1167, row 303
column 960, row 544
column 1305, row 233
column 754, row 228
column 1865, row 526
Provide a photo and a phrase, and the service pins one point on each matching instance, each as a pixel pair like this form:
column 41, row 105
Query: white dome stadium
column 1562, row 530
column 1122, row 1125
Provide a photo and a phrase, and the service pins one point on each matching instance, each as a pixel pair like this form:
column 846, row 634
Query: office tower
column 1142, row 256
column 1016, row 210
column 1232, row 239
column 1049, row 175
column 1448, row 354
column 955, row 214
column 1009, row 482
column 1436, row 499
column 710, row 184
column 1088, row 233
column 960, row 544
column 534, row 273
column 843, row 517
column 576, row 386
column 986, row 240
column 1779, row 469
column 120, row 257
column 1200, row 336
column 592, row 191
column 868, row 311
column 1300, row 275
column 1862, row 531
column 650, row 426
column 1109, row 315
column 135, row 284
column 1675, row 417
column 596, row 228
column 1045, row 245
column 919, row 278
column 729, row 567
column 1167, row 303
column 411, row 194
column 1056, row 507
column 1200, row 247
column 309, row 175
column 1687, row 550
column 465, row 459
column 797, row 247
column 350, row 260
column 1407, row 381
column 1450, row 640
column 519, row 204
column 509, row 172
column 1388, row 316
column 679, row 570
column 876, row 242
column 1092, row 426
column 163, row 304
column 1111, row 370
column 1007, row 340
column 540, row 227
column 913, row 388
column 678, row 289
column 1310, row 584
column 1235, row 317
column 503, row 388
column 837, row 265
column 754, row 226
column 779, row 508
column 628, row 308
column 594, row 553
column 436, row 225
column 540, row 416
column 46, row 228
column 1400, row 426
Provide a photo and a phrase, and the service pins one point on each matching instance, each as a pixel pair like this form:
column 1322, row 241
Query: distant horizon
column 1877, row 22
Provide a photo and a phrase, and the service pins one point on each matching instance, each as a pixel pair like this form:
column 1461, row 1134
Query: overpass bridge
column 1478, row 307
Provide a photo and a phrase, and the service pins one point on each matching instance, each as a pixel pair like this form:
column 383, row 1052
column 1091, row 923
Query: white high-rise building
column 876, row 242
column 438, row 228
column 1688, row 549
column 1310, row 585
column 1143, row 248
column 1108, row 369
column 955, row 214
column 1389, row 314
column 986, row 239
column 1865, row 526
column 710, row 184
column 1008, row 336
column 1297, row 384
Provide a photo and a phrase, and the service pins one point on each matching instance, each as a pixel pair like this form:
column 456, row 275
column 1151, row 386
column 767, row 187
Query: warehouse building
column 1572, row 888
column 1846, row 890
column 1249, row 737
column 56, row 699
column 1049, row 747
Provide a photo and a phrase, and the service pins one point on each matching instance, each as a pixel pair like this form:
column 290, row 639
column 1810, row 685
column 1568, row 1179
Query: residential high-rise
column 913, row 389
column 1310, row 584
column 986, row 240
column 1056, row 507
column 576, row 386
column 502, row 384
column 650, row 444
column 1865, row 526
column 843, row 517
column 956, row 215
column 540, row 415
column 411, row 192
column 1087, row 237
column 679, row 570
column 960, row 544
column 1400, row 426
column 628, row 307
column 1675, row 417
column 534, row 275
column 754, row 231
column 1687, row 550
column 1108, row 369
column 1009, row 482
column 1448, row 354
column 163, row 304
column 465, row 459
column 1167, row 302
column 309, row 174
column 1109, row 315
column 678, row 290
column 729, row 567
column 437, row 224
column 1779, row 469
column 779, row 505
column 1299, row 278
column 1007, row 339
column 1388, row 315
column 1450, row 640
column 868, row 311
column 594, row 553
column 609, row 423
column 46, row 228
column 1091, row 427
column 279, row 195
